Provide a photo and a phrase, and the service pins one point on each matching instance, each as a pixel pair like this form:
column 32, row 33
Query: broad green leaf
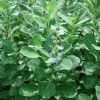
column 91, row 67
column 67, row 48
column 38, row 39
column 13, row 91
column 27, row 31
column 89, row 39
column 75, row 60
column 52, row 7
column 50, row 60
column 67, row 90
column 65, row 64
column 28, row 17
column 7, row 45
column 28, row 90
column 34, row 64
column 49, row 44
column 29, row 52
column 7, row 59
column 3, row 4
column 89, row 82
column 10, row 70
column 44, row 52
column 83, row 96
column 47, row 89
column 98, row 92
column 66, row 18
column 73, row 38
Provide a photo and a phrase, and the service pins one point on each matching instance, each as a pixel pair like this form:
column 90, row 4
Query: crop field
column 49, row 49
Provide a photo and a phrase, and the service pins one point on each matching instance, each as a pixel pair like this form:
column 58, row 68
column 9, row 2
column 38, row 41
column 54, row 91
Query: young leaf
column 52, row 8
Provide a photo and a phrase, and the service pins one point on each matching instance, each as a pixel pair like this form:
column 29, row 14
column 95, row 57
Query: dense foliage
column 49, row 49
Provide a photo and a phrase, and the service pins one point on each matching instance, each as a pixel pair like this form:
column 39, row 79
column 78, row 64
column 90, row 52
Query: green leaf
column 28, row 90
column 75, row 60
column 38, row 39
column 13, row 91
column 90, row 5
column 4, row 95
column 65, row 64
column 52, row 8
column 44, row 52
column 96, row 47
column 82, row 21
column 50, row 60
column 28, row 17
column 7, row 45
column 83, row 96
column 91, row 67
column 73, row 38
column 3, row 4
column 67, row 90
column 34, row 64
column 1, row 71
column 89, row 39
column 66, row 19
column 49, row 45
column 29, row 52
column 89, row 82
column 67, row 47
column 98, row 92
column 43, row 3
column 46, row 89
column 31, row 17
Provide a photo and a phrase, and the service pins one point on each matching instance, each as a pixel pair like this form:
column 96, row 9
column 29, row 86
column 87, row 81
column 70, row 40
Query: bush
column 49, row 50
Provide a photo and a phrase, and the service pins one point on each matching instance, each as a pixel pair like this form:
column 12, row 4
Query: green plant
column 49, row 50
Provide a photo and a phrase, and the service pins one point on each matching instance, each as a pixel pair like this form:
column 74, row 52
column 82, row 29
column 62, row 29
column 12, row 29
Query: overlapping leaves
column 49, row 49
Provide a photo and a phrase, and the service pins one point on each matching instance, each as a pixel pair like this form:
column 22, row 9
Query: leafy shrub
column 49, row 50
